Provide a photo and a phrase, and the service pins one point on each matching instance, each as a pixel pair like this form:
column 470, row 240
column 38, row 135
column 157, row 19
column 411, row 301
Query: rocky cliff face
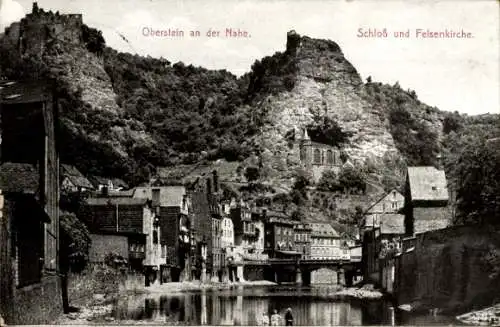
column 122, row 112
column 326, row 84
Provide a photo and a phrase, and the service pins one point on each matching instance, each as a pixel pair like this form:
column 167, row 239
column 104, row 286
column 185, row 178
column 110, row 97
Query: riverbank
column 97, row 308
column 486, row 317
column 365, row 292
column 198, row 286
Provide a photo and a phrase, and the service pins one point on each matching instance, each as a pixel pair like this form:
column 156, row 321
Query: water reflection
column 246, row 306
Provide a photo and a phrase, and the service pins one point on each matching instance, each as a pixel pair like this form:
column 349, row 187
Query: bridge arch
column 324, row 275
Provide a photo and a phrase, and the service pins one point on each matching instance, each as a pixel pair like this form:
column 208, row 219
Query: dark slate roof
column 392, row 223
column 75, row 176
column 25, row 91
column 427, row 184
column 170, row 196
column 96, row 180
column 19, row 178
column 121, row 201
column 119, row 182
column 276, row 214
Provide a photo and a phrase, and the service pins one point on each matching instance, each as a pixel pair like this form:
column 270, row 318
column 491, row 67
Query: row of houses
column 184, row 232
column 390, row 225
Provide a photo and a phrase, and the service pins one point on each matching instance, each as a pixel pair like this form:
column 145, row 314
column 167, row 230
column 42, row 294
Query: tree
column 452, row 123
column 351, row 178
column 299, row 188
column 75, row 243
column 358, row 215
column 329, row 181
column 478, row 184
column 93, row 39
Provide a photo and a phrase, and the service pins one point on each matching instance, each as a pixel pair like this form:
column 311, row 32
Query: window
column 155, row 237
column 303, row 155
column 156, row 196
column 329, row 157
column 317, row 156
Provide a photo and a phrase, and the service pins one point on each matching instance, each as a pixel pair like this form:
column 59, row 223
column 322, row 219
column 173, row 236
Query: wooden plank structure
column 30, row 290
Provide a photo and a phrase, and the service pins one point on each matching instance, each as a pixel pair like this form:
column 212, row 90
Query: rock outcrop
column 326, row 84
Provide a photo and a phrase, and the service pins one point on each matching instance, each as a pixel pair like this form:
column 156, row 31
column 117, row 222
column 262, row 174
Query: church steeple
column 306, row 135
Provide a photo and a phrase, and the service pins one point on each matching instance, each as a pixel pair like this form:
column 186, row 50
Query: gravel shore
column 97, row 310
column 360, row 293
column 486, row 317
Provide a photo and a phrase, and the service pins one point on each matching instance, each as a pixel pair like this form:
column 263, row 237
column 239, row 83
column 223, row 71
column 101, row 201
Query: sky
column 453, row 74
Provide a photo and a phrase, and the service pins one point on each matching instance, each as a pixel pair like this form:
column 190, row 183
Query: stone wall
column 252, row 273
column 428, row 219
column 104, row 244
column 450, row 269
column 324, row 276
column 37, row 304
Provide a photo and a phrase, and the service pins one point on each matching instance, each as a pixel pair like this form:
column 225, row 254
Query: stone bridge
column 299, row 271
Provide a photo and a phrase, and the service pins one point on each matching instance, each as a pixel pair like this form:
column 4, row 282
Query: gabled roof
column 96, row 180
column 19, row 178
column 99, row 180
column 118, row 194
column 380, row 200
column 392, row 223
column 75, row 176
column 121, row 201
column 119, row 182
column 170, row 196
column 276, row 214
column 427, row 184
column 323, row 230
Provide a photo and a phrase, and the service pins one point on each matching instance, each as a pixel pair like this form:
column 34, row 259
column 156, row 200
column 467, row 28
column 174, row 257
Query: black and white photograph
column 250, row 163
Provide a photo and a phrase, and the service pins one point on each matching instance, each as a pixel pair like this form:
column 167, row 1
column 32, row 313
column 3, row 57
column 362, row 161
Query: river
column 245, row 306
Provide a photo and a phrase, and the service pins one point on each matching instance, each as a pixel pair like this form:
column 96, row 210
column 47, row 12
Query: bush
column 93, row 39
column 329, row 181
column 75, row 244
column 351, row 178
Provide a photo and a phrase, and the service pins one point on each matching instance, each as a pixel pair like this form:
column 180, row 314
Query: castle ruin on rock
column 32, row 33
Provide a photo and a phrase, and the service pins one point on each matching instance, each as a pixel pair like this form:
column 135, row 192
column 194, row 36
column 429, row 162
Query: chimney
column 439, row 161
column 35, row 7
column 156, row 197
column 216, row 181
